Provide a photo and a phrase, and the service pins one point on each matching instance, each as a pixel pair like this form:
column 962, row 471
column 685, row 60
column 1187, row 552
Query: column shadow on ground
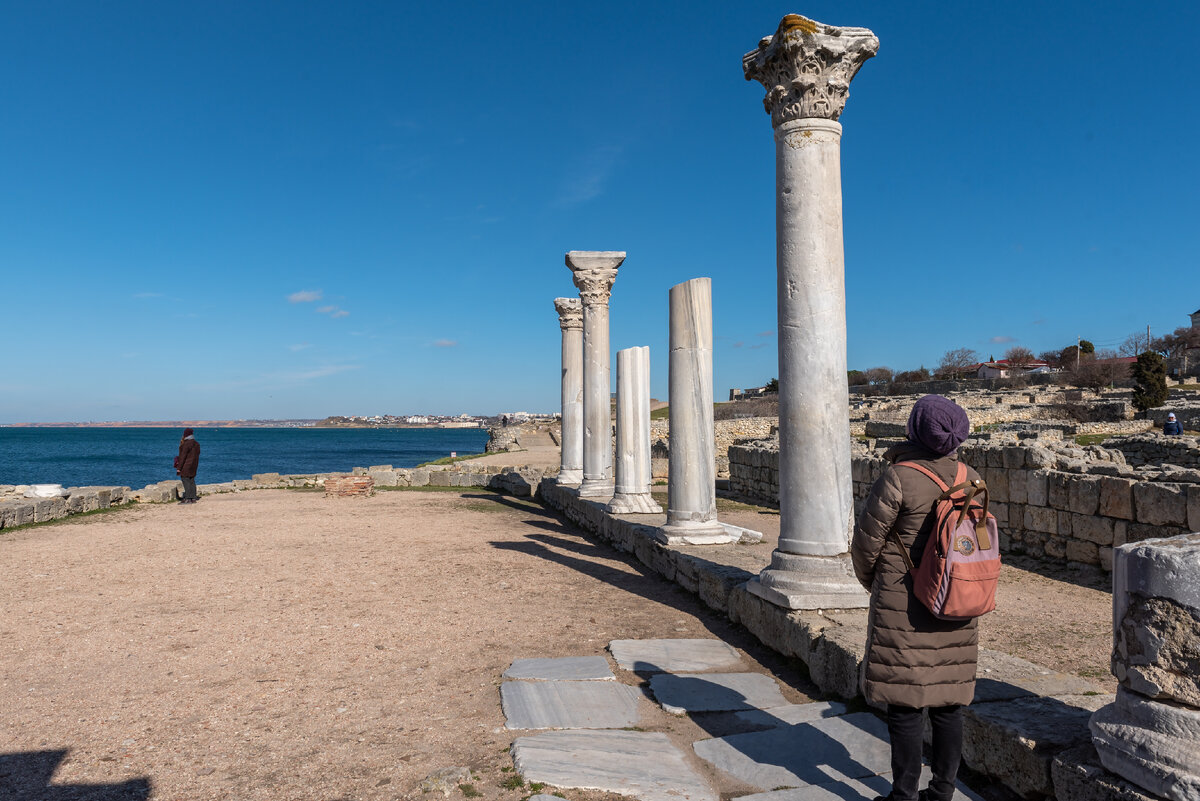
column 26, row 775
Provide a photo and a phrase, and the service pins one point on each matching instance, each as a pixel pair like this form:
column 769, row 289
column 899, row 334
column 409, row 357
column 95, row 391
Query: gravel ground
column 281, row 645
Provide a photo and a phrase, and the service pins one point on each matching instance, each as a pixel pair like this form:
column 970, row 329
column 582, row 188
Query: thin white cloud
column 340, row 313
column 1002, row 340
column 326, row 309
column 590, row 176
column 738, row 344
column 299, row 346
column 305, row 296
column 148, row 295
column 445, row 343
column 770, row 333
column 333, row 311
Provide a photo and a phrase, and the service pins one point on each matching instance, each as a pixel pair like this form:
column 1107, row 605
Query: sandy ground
column 281, row 645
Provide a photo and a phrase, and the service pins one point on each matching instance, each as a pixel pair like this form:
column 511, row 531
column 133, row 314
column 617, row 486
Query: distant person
column 186, row 464
column 914, row 661
column 1172, row 428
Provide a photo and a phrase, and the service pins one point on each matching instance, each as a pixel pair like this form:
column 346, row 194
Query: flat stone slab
column 1002, row 677
column 680, row 693
column 568, row 705
column 641, row 764
column 791, row 714
column 567, row 668
column 673, row 656
column 853, row 746
column 847, row 789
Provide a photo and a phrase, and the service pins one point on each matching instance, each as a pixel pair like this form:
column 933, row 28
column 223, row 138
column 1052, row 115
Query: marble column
column 570, row 320
column 594, row 272
column 633, row 434
column 806, row 68
column 691, row 483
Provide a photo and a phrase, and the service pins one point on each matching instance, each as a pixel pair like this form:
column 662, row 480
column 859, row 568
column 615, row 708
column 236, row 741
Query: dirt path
column 278, row 645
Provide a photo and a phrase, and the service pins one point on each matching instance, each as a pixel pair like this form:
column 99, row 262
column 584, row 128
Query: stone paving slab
column 680, row 693
column 852, row 746
column 567, row 668
column 847, row 789
column 641, row 764
column 791, row 714
column 568, row 705
column 1002, row 678
column 673, row 656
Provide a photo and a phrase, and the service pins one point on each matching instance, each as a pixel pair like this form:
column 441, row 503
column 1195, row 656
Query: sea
column 135, row 457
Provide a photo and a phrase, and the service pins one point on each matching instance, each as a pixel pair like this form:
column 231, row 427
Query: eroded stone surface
column 853, row 746
column 1158, row 650
column 1002, row 677
column 1150, row 743
column 567, row 668
column 641, row 764
column 715, row 692
column 843, row 788
column 568, row 705
column 673, row 656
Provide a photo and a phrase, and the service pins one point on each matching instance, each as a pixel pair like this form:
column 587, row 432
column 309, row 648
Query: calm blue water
column 135, row 457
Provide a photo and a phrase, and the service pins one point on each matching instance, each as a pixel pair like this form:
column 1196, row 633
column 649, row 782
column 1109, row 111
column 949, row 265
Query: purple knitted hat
column 938, row 424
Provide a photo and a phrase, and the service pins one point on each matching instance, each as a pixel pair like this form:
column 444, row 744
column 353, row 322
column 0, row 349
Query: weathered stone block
column 1039, row 518
column 1116, row 497
column 1039, row 488
column 1064, row 524
column 384, row 478
column 418, row 477
column 1150, row 743
column 1106, row 558
column 1056, row 547
column 1018, row 486
column 1015, row 741
column 1084, row 495
column 1083, row 552
column 1160, row 504
column 1193, row 507
column 1060, row 491
column 266, row 478
column 1078, row 776
column 1093, row 528
column 998, row 484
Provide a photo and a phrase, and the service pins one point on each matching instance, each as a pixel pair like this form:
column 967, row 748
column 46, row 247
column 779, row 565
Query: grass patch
column 79, row 517
column 537, row 787
column 1182, row 386
column 1091, row 439
column 481, row 506
column 513, row 782
column 730, row 505
column 453, row 459
column 469, row 791
column 319, row 488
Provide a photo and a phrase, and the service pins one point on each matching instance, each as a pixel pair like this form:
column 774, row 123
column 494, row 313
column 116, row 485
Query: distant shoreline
column 314, row 424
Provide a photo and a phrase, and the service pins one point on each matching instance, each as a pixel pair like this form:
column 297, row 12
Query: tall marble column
column 594, row 274
column 570, row 320
column 806, row 68
column 633, row 434
column 691, row 484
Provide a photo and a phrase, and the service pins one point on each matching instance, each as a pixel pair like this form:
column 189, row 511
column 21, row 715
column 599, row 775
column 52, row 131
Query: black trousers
column 906, row 731
column 189, row 488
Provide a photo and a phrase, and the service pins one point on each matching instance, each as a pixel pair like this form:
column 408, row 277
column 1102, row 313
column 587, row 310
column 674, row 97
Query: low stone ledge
column 1077, row 775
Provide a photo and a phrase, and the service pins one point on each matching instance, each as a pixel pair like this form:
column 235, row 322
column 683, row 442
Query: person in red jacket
column 186, row 464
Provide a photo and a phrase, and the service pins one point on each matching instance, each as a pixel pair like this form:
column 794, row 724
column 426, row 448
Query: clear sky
column 266, row 210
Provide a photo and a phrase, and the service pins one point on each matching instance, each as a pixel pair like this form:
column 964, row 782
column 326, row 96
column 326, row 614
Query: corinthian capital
column 595, row 271
column 807, row 67
column 570, row 313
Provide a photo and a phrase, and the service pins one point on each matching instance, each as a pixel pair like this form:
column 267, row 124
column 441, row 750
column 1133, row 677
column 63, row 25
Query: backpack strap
column 941, row 484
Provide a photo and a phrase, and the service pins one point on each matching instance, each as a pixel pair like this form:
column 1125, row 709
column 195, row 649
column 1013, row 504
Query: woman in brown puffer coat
column 915, row 661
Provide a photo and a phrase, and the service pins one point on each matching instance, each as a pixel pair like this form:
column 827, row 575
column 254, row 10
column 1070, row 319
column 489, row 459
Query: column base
column 569, row 477
column 596, row 488
column 634, row 503
column 695, row 532
column 794, row 581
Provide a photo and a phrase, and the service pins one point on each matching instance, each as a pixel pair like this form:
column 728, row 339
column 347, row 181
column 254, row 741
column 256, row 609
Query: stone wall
column 727, row 432
column 1156, row 449
column 1059, row 503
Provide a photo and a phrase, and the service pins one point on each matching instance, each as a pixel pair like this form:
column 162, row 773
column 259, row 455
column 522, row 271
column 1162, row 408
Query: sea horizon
column 136, row 456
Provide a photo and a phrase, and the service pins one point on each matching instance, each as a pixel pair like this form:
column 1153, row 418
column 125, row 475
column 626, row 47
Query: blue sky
column 267, row 210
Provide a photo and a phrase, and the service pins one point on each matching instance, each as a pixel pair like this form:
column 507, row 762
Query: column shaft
column 633, row 434
column 570, row 318
column 691, row 485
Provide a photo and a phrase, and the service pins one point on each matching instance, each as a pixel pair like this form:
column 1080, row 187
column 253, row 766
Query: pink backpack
column 960, row 568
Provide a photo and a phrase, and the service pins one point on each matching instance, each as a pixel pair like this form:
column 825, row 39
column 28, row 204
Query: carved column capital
column 570, row 313
column 807, row 67
column 594, row 273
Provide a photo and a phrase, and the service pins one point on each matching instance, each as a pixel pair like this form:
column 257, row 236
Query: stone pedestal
column 1150, row 735
column 806, row 68
column 691, row 479
column 594, row 273
column 633, row 434
column 570, row 320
